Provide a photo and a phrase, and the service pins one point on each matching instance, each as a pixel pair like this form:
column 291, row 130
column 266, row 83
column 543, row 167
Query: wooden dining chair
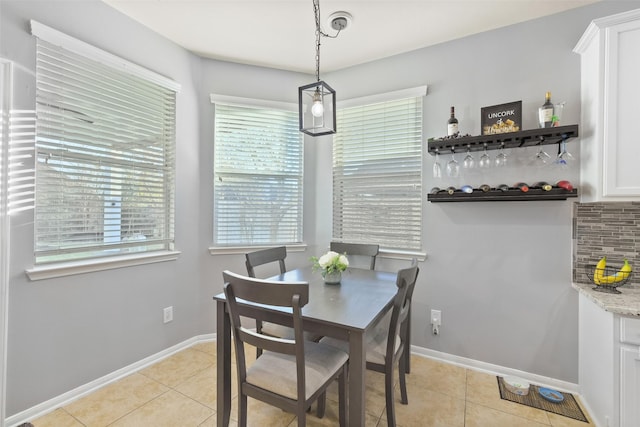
column 293, row 373
column 358, row 249
column 266, row 256
column 386, row 342
column 260, row 258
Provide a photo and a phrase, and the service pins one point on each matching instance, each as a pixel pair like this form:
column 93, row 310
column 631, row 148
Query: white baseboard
column 496, row 369
column 78, row 392
column 72, row 395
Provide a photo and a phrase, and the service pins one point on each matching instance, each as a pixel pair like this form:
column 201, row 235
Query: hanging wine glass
column 541, row 158
column 485, row 160
column 453, row 168
column 501, row 158
column 564, row 158
column 468, row 162
column 437, row 168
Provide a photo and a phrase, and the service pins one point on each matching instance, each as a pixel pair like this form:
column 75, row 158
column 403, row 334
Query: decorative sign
column 501, row 118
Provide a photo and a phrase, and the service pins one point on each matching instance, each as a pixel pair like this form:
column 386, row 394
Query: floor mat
column 568, row 407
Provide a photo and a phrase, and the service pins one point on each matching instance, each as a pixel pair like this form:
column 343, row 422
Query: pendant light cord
column 319, row 32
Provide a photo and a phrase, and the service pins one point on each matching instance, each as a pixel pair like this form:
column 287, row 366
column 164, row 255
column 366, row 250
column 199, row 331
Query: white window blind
column 377, row 174
column 105, row 150
column 258, row 165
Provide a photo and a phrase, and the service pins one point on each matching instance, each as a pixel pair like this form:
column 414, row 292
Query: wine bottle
column 466, row 189
column 485, row 188
column 565, row 185
column 435, row 190
column 522, row 186
column 451, row 190
column 452, row 124
column 543, row 186
column 503, row 187
column 545, row 113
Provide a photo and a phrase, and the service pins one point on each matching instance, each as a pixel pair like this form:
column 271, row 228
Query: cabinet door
column 621, row 151
column 629, row 386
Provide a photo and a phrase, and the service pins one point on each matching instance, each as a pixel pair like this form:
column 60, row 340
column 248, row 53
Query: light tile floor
column 181, row 391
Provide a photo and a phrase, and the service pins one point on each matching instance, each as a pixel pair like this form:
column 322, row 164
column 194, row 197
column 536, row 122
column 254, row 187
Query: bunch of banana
column 600, row 279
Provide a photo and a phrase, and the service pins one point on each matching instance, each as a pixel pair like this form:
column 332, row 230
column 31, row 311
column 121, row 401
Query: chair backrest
column 265, row 256
column 294, row 295
column 406, row 282
column 360, row 249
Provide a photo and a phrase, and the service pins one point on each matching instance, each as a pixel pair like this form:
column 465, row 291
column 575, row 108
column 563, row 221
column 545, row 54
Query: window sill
column 403, row 255
column 50, row 271
column 234, row 250
column 301, row 247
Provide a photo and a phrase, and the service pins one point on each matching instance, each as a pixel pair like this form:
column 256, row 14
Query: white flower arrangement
column 330, row 262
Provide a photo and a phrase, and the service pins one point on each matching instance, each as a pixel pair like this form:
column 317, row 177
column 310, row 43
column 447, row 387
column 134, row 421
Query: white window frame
column 339, row 174
column 244, row 246
column 103, row 259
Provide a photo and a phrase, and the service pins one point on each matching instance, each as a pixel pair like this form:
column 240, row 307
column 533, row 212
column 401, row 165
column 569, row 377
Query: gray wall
column 68, row 331
column 500, row 272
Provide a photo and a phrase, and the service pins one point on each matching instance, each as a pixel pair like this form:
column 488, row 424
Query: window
column 377, row 173
column 258, row 166
column 105, row 153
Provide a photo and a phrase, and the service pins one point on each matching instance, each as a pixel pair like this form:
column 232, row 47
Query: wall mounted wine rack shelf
column 525, row 138
column 503, row 196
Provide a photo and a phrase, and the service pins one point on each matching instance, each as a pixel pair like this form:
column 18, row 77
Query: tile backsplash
column 609, row 229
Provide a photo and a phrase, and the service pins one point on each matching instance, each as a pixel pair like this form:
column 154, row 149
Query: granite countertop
column 626, row 303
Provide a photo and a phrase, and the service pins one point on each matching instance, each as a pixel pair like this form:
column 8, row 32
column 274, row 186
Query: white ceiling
column 281, row 34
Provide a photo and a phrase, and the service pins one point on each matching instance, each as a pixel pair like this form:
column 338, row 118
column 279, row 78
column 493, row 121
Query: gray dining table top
column 354, row 304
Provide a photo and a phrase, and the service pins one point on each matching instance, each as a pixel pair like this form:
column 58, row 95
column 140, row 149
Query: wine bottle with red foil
column 452, row 124
column 545, row 186
column 522, row 187
column 566, row 185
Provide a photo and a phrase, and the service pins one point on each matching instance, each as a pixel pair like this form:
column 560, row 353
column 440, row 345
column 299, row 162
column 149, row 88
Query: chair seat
column 376, row 345
column 277, row 372
column 286, row 332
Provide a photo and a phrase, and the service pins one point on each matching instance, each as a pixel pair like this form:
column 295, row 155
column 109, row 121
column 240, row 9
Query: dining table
column 345, row 311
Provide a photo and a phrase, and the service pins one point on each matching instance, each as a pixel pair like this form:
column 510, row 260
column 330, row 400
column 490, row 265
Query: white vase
column 333, row 278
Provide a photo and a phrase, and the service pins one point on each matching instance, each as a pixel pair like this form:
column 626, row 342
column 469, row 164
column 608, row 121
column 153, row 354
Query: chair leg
column 322, row 402
column 342, row 397
column 388, row 392
column 402, row 369
column 242, row 410
column 302, row 415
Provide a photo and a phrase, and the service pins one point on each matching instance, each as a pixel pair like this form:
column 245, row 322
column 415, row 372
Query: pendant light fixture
column 317, row 101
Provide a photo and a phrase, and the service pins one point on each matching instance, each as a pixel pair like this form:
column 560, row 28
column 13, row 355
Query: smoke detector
column 339, row 21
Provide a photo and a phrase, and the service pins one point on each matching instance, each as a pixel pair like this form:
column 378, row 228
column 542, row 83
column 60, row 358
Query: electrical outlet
column 168, row 314
column 436, row 317
column 436, row 321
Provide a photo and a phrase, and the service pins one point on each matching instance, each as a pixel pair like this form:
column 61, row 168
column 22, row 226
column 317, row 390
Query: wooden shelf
column 526, row 138
column 511, row 195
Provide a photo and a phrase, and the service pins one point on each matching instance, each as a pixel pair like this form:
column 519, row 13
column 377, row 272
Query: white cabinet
column 629, row 372
column 609, row 367
column 610, row 90
column 630, row 386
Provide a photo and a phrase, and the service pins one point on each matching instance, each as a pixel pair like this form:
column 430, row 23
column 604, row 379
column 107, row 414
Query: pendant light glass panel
column 317, row 109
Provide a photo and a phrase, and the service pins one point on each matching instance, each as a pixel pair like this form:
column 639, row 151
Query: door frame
column 6, row 88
